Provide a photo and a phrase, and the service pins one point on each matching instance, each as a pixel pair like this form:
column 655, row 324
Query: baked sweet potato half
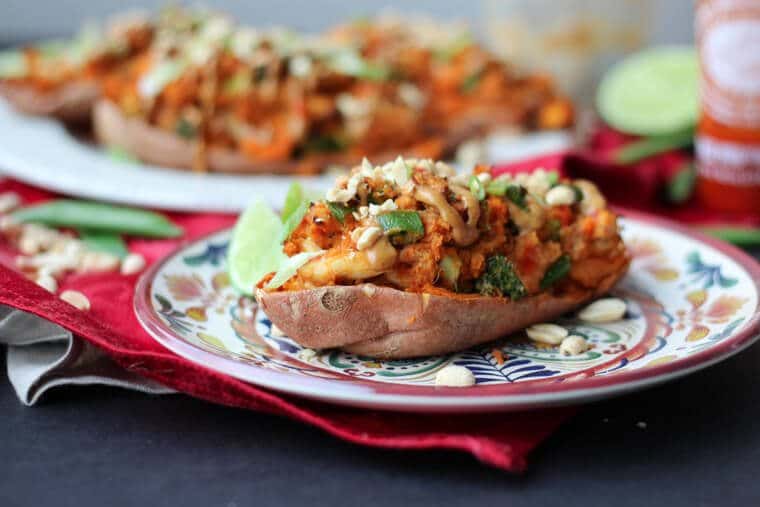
column 70, row 102
column 62, row 79
column 409, row 259
column 167, row 148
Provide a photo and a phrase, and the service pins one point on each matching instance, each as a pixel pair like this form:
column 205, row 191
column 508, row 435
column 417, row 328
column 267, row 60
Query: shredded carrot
column 498, row 355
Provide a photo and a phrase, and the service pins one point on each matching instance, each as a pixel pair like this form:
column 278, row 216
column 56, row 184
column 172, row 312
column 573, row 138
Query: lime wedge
column 654, row 92
column 255, row 249
column 293, row 200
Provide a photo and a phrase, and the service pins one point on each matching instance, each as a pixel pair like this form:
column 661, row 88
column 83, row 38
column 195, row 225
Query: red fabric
column 638, row 186
column 641, row 185
column 500, row 440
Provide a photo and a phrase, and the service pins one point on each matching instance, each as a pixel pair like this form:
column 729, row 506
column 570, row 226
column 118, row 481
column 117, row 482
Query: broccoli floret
column 500, row 279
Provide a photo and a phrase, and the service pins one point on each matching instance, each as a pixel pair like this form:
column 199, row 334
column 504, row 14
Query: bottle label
column 728, row 38
column 730, row 163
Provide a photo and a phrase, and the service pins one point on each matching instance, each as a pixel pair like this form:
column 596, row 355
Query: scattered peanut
column 444, row 169
column 97, row 262
column 9, row 201
column 547, row 333
column 388, row 205
column 454, row 376
column 560, row 195
column 47, row 282
column 573, row 345
column 76, row 299
column 8, row 224
column 537, row 182
column 306, row 354
column 132, row 263
column 603, row 310
column 28, row 245
column 368, row 237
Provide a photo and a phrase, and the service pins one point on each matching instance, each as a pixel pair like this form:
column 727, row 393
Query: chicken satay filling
column 418, row 226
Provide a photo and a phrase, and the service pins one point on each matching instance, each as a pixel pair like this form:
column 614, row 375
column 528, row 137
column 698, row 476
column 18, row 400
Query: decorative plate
column 692, row 301
column 70, row 166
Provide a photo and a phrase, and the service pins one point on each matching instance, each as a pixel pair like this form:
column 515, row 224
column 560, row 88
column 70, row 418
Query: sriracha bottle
column 728, row 134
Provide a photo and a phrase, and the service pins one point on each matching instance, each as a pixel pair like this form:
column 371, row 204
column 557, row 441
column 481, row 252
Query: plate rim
column 376, row 395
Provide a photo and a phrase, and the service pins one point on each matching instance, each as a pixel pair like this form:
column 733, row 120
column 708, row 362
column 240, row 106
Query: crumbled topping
column 388, row 205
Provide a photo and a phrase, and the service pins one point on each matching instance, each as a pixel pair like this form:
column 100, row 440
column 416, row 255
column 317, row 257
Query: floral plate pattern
column 692, row 301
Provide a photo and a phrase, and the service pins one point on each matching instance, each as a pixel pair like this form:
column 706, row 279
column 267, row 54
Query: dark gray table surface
column 108, row 447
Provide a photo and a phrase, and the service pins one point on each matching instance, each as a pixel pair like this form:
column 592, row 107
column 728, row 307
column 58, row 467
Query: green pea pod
column 681, row 186
column 100, row 217
column 742, row 236
column 649, row 146
column 106, row 242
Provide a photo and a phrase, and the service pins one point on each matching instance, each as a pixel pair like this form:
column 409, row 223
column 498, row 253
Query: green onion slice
column 556, row 272
column 477, row 188
column 339, row 211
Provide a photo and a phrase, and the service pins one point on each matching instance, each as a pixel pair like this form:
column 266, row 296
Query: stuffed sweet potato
column 409, row 259
column 62, row 78
column 230, row 98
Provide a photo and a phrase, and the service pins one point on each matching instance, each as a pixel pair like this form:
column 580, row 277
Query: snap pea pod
column 649, row 146
column 106, row 242
column 742, row 236
column 100, row 217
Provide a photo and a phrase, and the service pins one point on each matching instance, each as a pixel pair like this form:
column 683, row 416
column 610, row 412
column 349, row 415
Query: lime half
column 654, row 92
column 255, row 249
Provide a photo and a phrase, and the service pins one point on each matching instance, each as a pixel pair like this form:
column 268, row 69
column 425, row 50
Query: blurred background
column 25, row 20
column 574, row 40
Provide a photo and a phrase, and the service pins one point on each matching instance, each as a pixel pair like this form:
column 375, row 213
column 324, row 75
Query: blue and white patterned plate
column 692, row 301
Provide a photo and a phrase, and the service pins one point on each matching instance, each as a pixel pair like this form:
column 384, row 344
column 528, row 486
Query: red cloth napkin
column 640, row 185
column 500, row 439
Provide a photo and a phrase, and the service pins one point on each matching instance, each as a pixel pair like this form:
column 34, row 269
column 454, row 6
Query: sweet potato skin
column 388, row 323
column 70, row 103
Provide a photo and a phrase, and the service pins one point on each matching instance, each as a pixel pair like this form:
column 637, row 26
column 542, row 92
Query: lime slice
column 255, row 249
column 294, row 198
column 651, row 93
